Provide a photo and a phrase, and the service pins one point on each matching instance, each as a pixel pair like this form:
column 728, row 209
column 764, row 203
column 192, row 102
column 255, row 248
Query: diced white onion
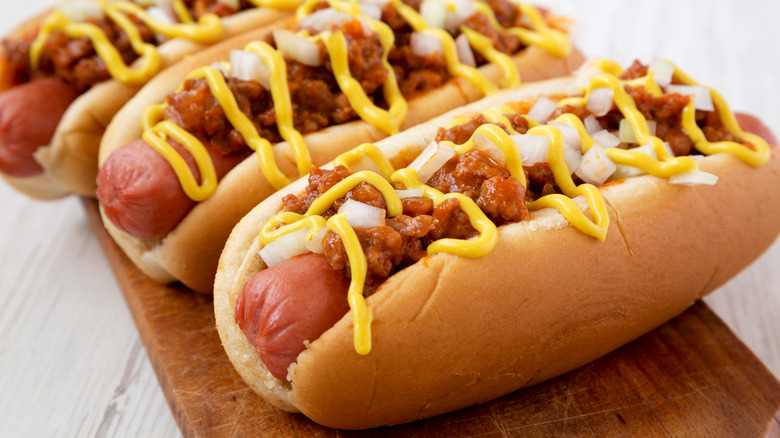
column 431, row 159
column 600, row 101
column 409, row 193
column 586, row 72
column 542, row 109
column 371, row 10
column 80, row 11
column 315, row 244
column 484, row 144
column 248, row 66
column 702, row 99
column 606, row 139
column 596, row 166
column 626, row 131
column 662, row 72
column 572, row 156
column 161, row 14
column 592, row 125
column 570, row 135
column 367, row 30
column 627, row 171
column 221, row 67
column 325, row 19
column 465, row 54
column 233, row 4
column 299, row 48
column 434, row 13
column 424, row 44
column 360, row 215
column 533, row 148
column 285, row 247
column 694, row 178
column 463, row 9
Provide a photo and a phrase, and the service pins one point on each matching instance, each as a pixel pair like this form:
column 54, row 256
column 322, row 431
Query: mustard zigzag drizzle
column 156, row 130
column 596, row 226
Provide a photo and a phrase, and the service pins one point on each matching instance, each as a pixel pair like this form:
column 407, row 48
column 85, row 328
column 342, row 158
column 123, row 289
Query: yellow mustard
column 207, row 30
column 597, row 227
column 388, row 120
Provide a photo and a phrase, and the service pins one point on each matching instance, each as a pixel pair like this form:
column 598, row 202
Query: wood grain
column 691, row 376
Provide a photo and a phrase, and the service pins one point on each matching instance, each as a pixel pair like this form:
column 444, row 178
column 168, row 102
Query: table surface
column 71, row 358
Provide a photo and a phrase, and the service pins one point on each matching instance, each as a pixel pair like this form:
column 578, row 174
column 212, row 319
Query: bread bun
column 450, row 331
column 190, row 252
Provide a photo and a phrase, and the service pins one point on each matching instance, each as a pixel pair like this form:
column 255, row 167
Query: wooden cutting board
column 691, row 376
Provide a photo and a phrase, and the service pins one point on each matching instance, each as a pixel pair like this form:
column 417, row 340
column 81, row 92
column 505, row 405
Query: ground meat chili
column 403, row 239
column 316, row 97
column 74, row 60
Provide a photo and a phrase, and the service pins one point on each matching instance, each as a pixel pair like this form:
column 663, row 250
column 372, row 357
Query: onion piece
column 592, row 125
column 542, row 109
column 533, row 148
column 371, row 10
column 284, row 247
column 424, row 44
column 668, row 147
column 702, row 99
column 434, row 13
column 606, row 139
column 463, row 9
column 221, row 66
column 409, row 193
column 299, row 48
column 360, row 215
column 570, row 135
column 465, row 54
column 431, row 159
column 325, row 19
column 694, row 178
column 596, row 166
column 627, row 171
column 586, row 72
column 626, row 132
column 247, row 66
column 572, row 157
column 80, row 10
column 161, row 14
column 315, row 244
column 662, row 72
column 484, row 144
column 600, row 101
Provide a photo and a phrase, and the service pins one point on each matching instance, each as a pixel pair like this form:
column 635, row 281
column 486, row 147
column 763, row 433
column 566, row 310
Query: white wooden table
column 71, row 362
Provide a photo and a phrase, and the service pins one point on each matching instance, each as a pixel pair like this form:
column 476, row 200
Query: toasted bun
column 449, row 332
column 70, row 160
column 190, row 253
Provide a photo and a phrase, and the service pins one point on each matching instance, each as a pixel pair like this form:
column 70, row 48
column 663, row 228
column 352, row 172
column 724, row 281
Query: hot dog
column 345, row 76
column 89, row 57
column 536, row 231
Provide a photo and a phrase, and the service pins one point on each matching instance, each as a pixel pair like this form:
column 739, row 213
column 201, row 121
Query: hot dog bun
column 70, row 159
column 190, row 252
column 450, row 331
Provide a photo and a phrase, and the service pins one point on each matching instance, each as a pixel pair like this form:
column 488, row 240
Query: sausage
column 287, row 304
column 29, row 115
column 754, row 125
column 141, row 194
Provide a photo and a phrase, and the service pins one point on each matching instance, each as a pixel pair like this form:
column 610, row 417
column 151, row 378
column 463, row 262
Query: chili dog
column 535, row 231
column 88, row 57
column 340, row 74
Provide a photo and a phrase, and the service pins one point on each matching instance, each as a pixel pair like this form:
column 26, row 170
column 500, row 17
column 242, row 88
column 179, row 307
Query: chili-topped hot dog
column 534, row 231
column 89, row 57
column 340, row 74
